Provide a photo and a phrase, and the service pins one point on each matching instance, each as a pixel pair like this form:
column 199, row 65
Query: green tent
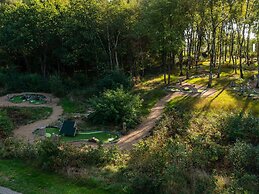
column 68, row 128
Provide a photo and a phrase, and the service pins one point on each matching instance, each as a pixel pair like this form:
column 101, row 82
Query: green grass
column 70, row 106
column 151, row 91
column 150, row 98
column 17, row 99
column 24, row 178
column 103, row 136
column 25, row 115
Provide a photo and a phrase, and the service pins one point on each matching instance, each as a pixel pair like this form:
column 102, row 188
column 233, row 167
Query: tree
column 164, row 23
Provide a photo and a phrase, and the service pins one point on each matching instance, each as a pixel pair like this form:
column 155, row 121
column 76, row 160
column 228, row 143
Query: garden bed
column 31, row 98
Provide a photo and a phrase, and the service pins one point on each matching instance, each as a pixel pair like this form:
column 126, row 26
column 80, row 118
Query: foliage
column 14, row 148
column 6, row 125
column 12, row 117
column 244, row 127
column 114, row 80
column 162, row 165
column 240, row 156
column 56, row 86
column 17, row 82
column 116, row 106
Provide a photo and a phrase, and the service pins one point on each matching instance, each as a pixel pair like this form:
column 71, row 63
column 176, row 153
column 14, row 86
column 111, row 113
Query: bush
column 56, row 86
column 6, row 125
column 114, row 80
column 116, row 106
column 241, row 127
column 12, row 148
column 246, row 183
column 13, row 81
column 81, row 80
column 240, row 156
column 162, row 165
column 55, row 156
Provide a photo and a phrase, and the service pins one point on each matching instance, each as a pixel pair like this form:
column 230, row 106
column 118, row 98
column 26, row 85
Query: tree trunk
column 189, row 55
column 181, row 63
column 257, row 84
column 169, row 69
column 248, row 46
column 109, row 48
column 220, row 50
column 198, row 49
column 164, row 65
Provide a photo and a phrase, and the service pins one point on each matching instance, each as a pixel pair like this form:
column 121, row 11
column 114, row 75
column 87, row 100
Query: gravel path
column 143, row 130
column 25, row 132
column 4, row 190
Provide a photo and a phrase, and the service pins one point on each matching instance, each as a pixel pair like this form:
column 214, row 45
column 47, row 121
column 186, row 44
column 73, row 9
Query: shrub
column 81, row 80
column 240, row 156
column 246, row 183
column 55, row 156
column 6, row 125
column 116, row 106
column 56, row 86
column 19, row 82
column 114, row 80
column 162, row 165
column 15, row 148
column 241, row 127
column 100, row 156
column 48, row 154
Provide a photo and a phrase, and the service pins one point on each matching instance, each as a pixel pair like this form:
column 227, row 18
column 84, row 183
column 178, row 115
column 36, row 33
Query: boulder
column 94, row 140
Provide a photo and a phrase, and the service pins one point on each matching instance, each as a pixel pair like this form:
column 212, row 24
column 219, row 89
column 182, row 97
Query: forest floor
column 26, row 132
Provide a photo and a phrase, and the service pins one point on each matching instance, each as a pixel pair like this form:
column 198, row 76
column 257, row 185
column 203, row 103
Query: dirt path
column 25, row 132
column 126, row 142
column 144, row 129
column 4, row 190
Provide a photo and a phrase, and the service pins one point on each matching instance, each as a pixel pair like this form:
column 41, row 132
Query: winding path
column 4, row 190
column 25, row 132
column 144, row 129
column 126, row 142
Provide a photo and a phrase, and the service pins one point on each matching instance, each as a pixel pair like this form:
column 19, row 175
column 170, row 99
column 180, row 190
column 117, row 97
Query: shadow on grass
column 178, row 115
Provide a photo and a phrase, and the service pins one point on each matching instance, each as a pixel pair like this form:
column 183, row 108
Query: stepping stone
column 4, row 190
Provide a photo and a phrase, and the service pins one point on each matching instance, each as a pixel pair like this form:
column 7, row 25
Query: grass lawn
column 24, row 178
column 224, row 99
column 103, row 136
column 71, row 106
column 25, row 115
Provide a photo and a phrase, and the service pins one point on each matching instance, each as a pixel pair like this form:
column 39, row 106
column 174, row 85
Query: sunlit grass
column 27, row 179
column 222, row 100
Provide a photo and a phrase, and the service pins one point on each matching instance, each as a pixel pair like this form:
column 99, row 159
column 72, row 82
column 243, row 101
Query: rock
column 55, row 138
column 42, row 132
column 94, row 140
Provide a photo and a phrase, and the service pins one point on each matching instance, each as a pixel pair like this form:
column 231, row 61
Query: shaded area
column 27, row 179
